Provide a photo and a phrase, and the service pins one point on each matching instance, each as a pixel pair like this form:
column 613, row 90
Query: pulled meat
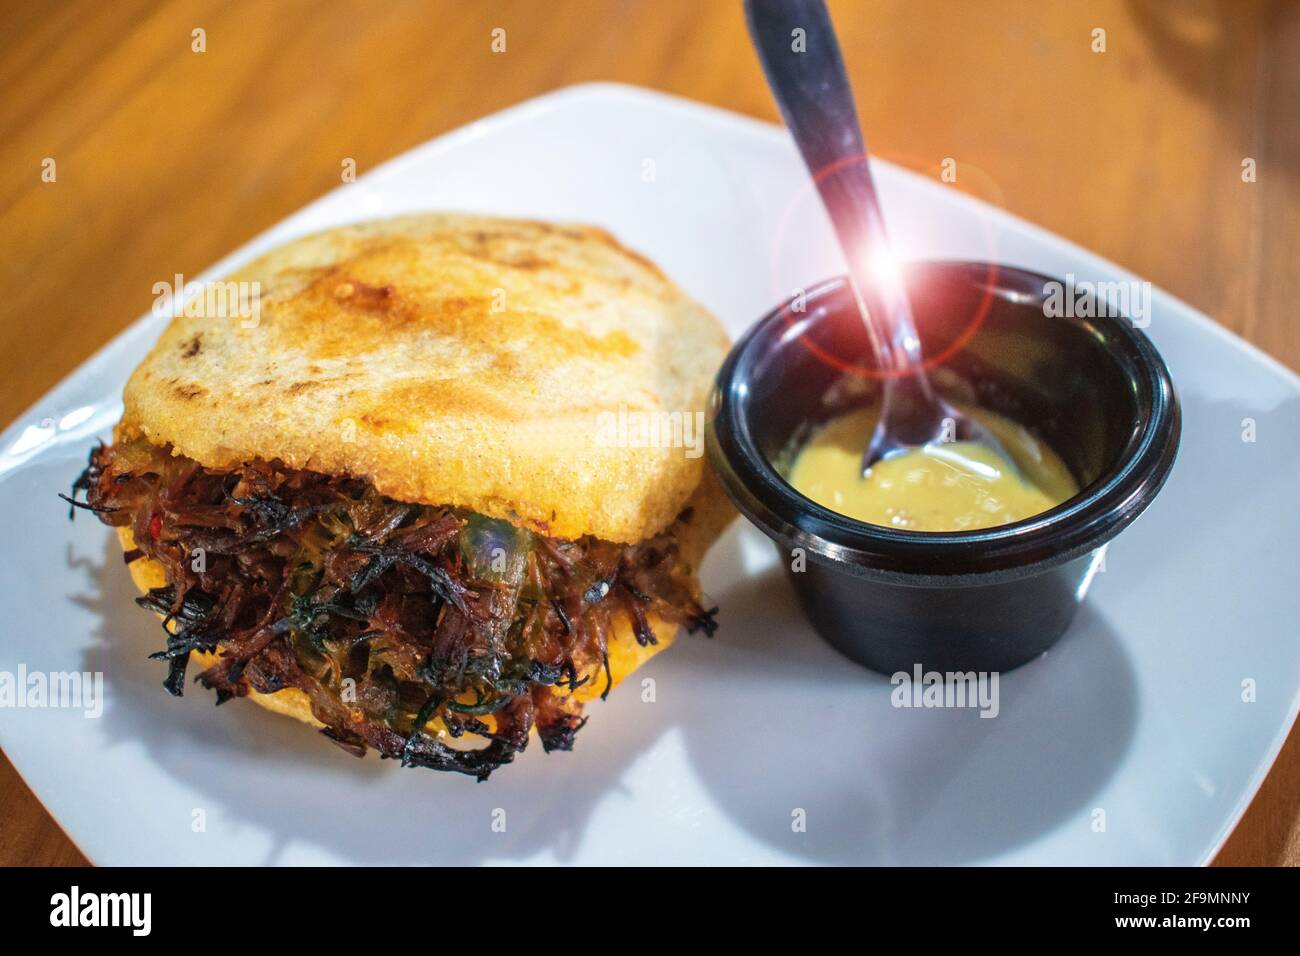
column 407, row 626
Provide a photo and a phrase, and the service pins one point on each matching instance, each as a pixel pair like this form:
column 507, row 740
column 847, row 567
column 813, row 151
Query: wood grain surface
column 167, row 159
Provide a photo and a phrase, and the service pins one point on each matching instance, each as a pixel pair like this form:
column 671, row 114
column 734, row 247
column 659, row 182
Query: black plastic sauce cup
column 1093, row 388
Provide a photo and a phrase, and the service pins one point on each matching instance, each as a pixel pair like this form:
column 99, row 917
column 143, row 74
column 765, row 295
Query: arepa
column 400, row 499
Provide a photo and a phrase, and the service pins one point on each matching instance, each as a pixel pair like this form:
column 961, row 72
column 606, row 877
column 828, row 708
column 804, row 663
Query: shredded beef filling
column 403, row 624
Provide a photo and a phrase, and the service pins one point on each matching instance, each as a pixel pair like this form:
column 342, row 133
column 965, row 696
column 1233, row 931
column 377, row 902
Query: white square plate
column 1138, row 713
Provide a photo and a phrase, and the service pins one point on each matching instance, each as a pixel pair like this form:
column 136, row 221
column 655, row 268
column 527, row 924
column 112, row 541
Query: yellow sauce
column 955, row 486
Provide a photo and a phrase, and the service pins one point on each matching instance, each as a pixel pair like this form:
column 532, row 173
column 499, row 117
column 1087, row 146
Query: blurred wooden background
column 167, row 159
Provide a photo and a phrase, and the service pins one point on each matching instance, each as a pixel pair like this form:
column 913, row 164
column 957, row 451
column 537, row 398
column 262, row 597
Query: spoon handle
column 807, row 77
column 806, row 74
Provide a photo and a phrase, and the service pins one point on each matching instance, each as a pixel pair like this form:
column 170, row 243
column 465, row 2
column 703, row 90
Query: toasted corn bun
column 483, row 363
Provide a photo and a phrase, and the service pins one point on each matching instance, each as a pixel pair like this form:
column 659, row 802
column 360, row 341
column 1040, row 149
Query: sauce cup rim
column 1075, row 527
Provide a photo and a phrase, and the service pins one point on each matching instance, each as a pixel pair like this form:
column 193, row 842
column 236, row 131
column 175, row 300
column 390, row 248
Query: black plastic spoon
column 797, row 46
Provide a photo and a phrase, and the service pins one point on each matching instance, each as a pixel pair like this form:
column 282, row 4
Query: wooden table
column 166, row 158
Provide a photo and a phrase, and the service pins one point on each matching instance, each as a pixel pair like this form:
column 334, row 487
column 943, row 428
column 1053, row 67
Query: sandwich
column 439, row 490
